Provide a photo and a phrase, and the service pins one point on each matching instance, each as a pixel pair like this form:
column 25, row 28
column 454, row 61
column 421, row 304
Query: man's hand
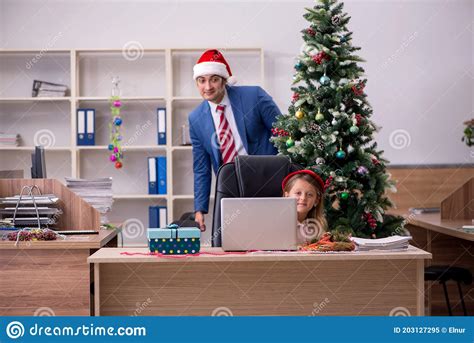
column 199, row 218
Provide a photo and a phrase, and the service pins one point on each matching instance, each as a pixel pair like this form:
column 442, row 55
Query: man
column 230, row 121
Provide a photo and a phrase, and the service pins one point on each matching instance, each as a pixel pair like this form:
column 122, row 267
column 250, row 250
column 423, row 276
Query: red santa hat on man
column 212, row 62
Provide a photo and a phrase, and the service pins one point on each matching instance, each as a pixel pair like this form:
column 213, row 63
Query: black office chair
column 187, row 220
column 446, row 273
column 249, row 177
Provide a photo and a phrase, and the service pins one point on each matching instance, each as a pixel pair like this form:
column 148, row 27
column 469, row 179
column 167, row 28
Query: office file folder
column 153, row 217
column 152, row 182
column 161, row 167
column 86, row 126
column 157, row 175
column 161, row 114
column 81, row 127
column 157, row 216
column 90, row 127
column 162, row 216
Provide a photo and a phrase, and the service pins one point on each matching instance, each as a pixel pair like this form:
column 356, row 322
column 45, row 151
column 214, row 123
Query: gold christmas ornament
column 319, row 115
column 299, row 114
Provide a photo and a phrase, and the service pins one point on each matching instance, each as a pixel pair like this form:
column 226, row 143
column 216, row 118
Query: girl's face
column 306, row 195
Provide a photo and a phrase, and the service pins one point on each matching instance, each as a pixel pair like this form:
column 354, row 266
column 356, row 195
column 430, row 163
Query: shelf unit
column 151, row 78
column 125, row 147
column 66, row 98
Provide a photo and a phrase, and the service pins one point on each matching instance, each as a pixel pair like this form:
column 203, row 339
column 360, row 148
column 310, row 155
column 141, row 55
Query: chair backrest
column 249, row 177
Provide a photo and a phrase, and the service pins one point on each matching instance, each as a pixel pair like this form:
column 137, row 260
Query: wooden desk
column 47, row 276
column 434, row 223
column 354, row 283
column 451, row 246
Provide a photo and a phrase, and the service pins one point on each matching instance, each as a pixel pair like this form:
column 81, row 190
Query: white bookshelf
column 139, row 196
column 124, row 99
column 30, row 148
column 125, row 147
column 158, row 78
column 25, row 99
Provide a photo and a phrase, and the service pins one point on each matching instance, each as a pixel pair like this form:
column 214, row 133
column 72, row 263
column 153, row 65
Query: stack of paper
column 48, row 89
column 422, row 210
column 9, row 139
column 468, row 228
column 97, row 192
column 387, row 243
column 27, row 214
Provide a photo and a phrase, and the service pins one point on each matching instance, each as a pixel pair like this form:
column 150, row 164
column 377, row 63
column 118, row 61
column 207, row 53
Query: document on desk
column 45, row 199
column 468, row 228
column 422, row 210
column 388, row 243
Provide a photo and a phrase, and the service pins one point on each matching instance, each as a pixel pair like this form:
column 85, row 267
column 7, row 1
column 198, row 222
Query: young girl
column 308, row 188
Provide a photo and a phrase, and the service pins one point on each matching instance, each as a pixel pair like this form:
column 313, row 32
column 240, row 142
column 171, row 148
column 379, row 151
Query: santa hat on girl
column 212, row 62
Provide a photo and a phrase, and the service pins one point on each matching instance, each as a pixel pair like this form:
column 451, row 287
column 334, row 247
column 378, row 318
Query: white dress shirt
column 229, row 115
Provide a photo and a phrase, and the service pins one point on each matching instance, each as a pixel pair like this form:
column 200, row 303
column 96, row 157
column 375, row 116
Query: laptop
column 258, row 224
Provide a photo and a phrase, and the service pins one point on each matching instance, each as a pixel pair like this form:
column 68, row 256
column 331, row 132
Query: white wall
column 420, row 65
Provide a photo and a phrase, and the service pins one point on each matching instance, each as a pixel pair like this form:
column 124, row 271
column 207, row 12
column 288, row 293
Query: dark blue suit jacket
column 254, row 112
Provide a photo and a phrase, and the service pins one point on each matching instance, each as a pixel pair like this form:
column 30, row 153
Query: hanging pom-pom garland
column 115, row 146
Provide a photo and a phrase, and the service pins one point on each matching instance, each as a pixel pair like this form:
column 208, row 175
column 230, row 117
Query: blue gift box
column 174, row 240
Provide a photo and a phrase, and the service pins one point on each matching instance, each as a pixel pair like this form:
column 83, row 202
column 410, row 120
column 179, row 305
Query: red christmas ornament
column 375, row 161
column 295, row 97
column 328, row 182
column 320, row 57
column 359, row 119
column 280, row 132
column 118, row 165
column 358, row 89
column 310, row 32
column 371, row 220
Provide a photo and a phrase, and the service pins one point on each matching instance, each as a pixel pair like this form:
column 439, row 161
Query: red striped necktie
column 226, row 139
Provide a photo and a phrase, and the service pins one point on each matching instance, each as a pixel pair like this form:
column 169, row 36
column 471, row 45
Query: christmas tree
column 328, row 127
